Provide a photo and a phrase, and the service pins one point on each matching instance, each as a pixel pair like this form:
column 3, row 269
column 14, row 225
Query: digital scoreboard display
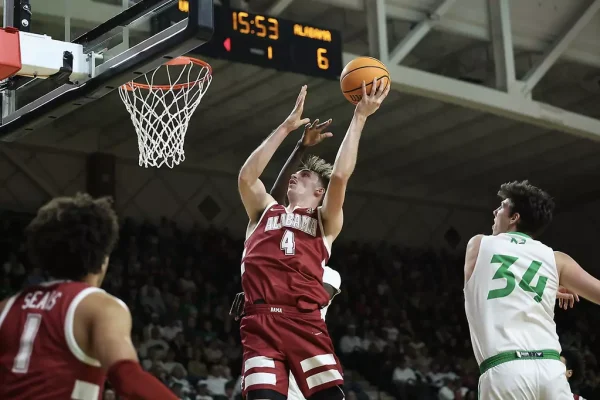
column 274, row 43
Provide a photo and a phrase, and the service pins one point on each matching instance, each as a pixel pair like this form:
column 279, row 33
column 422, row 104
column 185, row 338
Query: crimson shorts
column 277, row 340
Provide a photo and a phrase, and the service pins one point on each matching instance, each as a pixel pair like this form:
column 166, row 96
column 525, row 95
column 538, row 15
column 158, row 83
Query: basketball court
column 432, row 157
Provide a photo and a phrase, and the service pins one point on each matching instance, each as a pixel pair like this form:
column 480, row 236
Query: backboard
column 109, row 43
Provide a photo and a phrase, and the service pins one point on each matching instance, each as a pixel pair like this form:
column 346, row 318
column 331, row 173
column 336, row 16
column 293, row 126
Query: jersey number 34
column 504, row 273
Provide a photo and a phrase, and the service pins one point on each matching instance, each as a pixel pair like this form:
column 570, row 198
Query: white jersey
column 509, row 299
column 333, row 278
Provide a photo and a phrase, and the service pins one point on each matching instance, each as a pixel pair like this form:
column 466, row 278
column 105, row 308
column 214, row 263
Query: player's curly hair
column 70, row 237
column 535, row 206
column 575, row 362
column 319, row 167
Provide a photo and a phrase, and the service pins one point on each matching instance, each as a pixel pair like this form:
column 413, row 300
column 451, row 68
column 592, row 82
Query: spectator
column 153, row 341
column 202, row 391
column 216, row 381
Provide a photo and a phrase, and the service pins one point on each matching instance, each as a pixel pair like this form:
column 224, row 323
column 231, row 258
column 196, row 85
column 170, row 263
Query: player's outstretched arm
column 109, row 324
column 345, row 160
column 576, row 279
column 313, row 135
column 252, row 190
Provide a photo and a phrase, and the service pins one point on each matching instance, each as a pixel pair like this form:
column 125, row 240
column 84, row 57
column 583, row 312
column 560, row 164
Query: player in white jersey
column 332, row 282
column 511, row 283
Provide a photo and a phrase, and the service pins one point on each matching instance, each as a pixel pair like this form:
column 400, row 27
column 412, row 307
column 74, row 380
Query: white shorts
column 294, row 392
column 525, row 380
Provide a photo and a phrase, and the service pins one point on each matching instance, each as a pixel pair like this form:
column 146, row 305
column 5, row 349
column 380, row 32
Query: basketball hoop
column 161, row 113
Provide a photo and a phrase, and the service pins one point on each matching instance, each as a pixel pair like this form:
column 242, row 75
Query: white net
column 161, row 113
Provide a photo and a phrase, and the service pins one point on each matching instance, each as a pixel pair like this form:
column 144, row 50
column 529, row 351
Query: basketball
column 358, row 70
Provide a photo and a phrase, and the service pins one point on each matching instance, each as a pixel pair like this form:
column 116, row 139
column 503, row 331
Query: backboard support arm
column 176, row 40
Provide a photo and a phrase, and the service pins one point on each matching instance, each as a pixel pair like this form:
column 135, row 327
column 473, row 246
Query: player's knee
column 332, row 393
column 265, row 394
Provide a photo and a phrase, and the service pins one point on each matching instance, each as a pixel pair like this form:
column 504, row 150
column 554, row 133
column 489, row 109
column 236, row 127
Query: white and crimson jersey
column 39, row 357
column 333, row 278
column 509, row 299
column 284, row 258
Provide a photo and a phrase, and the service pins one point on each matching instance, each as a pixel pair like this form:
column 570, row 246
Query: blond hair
column 319, row 167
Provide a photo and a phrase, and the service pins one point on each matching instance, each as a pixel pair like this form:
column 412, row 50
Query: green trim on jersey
column 507, row 356
column 520, row 234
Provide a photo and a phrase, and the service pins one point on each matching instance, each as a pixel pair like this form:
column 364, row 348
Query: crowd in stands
column 399, row 322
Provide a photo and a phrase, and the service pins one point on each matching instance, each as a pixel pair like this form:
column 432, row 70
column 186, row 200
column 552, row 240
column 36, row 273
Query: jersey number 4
column 288, row 243
column 504, row 273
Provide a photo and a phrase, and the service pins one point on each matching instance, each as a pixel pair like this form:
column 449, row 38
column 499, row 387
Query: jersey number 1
column 288, row 243
column 525, row 283
column 30, row 330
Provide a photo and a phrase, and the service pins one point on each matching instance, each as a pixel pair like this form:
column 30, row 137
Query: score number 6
column 322, row 60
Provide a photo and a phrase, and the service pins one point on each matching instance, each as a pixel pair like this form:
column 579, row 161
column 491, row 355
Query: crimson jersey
column 39, row 357
column 284, row 259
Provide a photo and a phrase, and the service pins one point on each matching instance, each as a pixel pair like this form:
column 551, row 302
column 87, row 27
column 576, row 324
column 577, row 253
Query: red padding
column 10, row 56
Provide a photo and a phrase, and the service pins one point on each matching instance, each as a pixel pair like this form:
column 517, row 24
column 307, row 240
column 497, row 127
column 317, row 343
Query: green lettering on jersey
column 525, row 283
column 504, row 273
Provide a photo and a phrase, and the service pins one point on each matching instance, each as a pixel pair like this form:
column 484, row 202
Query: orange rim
column 183, row 60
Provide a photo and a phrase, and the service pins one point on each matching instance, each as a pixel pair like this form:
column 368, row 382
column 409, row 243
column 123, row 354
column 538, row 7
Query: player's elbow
column 245, row 178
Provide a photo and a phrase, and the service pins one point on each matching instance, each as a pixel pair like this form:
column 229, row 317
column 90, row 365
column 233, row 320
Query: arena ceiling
column 414, row 148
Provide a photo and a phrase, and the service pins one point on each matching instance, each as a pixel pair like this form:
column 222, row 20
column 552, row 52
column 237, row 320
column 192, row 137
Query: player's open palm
column 295, row 120
column 372, row 101
column 313, row 133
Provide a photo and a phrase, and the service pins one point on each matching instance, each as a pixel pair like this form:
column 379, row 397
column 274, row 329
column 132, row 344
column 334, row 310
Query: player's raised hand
column 295, row 120
column 566, row 299
column 313, row 133
column 372, row 101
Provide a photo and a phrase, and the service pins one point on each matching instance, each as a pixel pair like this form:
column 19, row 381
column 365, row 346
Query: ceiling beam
column 508, row 105
column 459, row 27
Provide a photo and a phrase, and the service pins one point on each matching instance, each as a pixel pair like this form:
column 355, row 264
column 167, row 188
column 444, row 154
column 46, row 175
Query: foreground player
column 511, row 283
column 573, row 361
column 60, row 339
column 313, row 135
column 282, row 264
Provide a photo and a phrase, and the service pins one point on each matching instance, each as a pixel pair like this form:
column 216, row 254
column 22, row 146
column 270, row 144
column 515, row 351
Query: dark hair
column 533, row 205
column 574, row 362
column 70, row 237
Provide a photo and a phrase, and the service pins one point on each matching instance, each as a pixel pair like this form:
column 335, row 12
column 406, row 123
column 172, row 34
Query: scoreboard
column 273, row 42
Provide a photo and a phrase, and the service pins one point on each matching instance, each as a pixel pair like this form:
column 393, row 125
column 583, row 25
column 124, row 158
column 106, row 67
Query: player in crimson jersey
column 62, row 338
column 574, row 363
column 285, row 251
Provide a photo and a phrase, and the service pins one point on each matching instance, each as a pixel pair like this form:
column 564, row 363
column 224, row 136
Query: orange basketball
column 358, row 70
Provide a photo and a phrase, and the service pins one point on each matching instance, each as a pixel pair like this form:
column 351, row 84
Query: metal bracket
column 63, row 74
column 23, row 16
